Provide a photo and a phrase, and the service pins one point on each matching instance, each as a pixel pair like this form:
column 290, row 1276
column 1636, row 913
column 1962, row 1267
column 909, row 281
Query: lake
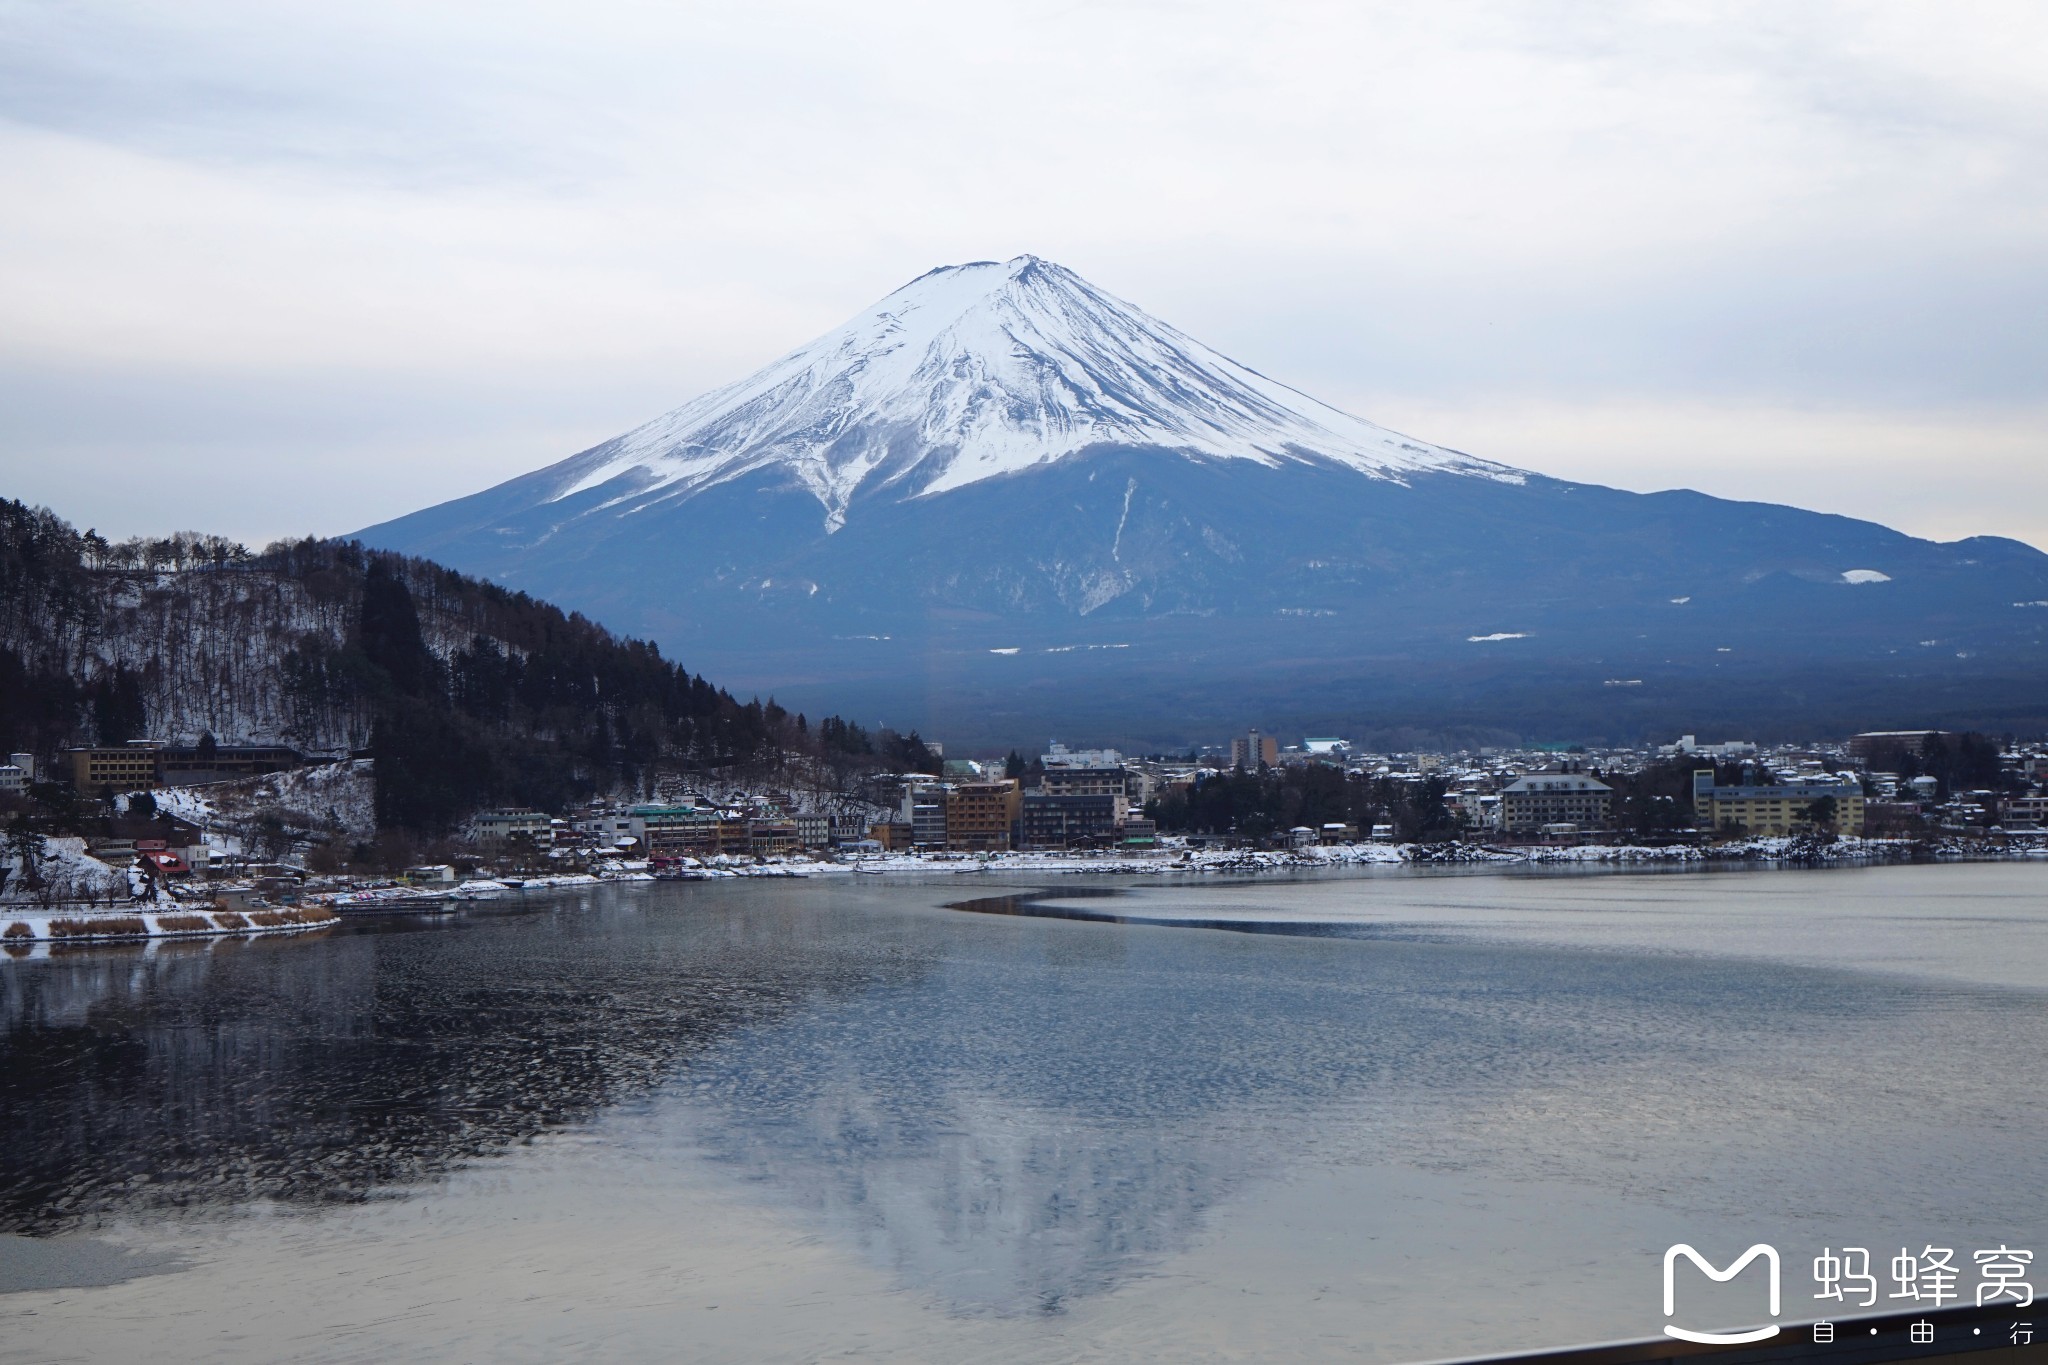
column 1390, row 1115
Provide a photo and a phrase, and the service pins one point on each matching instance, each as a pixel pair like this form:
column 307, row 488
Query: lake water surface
column 1385, row 1115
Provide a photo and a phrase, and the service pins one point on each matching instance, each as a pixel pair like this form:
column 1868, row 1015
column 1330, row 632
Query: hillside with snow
column 464, row 694
column 1003, row 498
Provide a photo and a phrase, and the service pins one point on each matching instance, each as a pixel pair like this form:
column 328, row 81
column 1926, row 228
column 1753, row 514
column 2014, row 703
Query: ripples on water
column 1008, row 1115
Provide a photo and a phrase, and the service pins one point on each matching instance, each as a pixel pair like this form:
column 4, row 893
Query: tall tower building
column 1251, row 750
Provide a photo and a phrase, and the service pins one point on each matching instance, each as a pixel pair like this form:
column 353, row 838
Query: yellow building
column 1789, row 809
column 136, row 766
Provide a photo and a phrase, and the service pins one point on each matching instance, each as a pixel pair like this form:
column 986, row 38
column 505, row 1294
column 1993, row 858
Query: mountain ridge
column 1001, row 464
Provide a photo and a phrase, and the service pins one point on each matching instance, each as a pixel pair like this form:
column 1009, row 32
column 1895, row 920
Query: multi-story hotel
column 1777, row 810
column 981, row 817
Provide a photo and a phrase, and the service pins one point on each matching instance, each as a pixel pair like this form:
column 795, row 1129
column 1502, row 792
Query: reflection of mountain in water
column 1058, row 1107
column 991, row 1206
column 1032, row 1126
column 321, row 1072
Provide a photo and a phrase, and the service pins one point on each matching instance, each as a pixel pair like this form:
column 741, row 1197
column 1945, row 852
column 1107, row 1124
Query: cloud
column 432, row 240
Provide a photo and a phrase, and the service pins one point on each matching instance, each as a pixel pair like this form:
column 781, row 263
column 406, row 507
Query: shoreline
column 34, row 934
column 27, row 933
column 1759, row 852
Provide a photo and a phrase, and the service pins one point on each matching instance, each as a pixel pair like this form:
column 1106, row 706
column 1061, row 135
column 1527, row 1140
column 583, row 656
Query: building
column 195, row 765
column 769, row 838
column 1787, row 809
column 146, row 764
column 981, row 817
column 1049, row 821
column 924, row 809
column 892, row 836
column 1689, row 746
column 604, row 829
column 1253, row 750
column 1139, row 832
column 1111, row 782
column 813, row 831
column 691, row 831
column 1327, row 748
column 2026, row 809
column 16, row 774
column 1060, row 756
column 1864, row 747
column 1540, row 799
column 129, row 767
column 496, row 828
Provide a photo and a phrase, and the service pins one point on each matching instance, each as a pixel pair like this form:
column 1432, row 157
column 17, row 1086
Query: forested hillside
column 464, row 693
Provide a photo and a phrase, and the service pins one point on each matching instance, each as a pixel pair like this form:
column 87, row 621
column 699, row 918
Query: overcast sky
column 272, row 269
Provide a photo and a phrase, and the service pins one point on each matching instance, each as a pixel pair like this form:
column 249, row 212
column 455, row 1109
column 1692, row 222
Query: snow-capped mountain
column 1003, row 491
column 975, row 371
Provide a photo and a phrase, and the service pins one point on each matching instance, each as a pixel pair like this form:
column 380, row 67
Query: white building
column 494, row 828
column 1060, row 756
column 1690, row 747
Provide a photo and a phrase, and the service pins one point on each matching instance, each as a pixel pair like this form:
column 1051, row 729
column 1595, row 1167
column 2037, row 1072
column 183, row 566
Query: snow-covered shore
column 26, row 934
column 1175, row 860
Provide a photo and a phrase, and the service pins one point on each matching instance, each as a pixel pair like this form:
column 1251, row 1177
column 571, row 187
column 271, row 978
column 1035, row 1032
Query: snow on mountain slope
column 978, row 370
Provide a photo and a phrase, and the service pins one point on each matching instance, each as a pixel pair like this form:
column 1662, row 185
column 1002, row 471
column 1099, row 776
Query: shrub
column 18, row 930
column 266, row 919
column 228, row 919
column 182, row 924
column 111, row 926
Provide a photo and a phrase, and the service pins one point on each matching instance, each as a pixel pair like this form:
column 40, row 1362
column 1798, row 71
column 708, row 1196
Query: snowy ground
column 73, row 877
column 337, row 794
column 804, row 799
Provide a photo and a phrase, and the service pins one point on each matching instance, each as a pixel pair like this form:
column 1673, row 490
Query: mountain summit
column 974, row 371
column 1002, row 502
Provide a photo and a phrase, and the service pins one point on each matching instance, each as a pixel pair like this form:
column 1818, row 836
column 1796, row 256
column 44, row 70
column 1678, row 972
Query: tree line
column 465, row 693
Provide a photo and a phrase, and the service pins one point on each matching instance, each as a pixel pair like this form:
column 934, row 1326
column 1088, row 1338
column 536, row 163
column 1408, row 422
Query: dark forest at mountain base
column 464, row 693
